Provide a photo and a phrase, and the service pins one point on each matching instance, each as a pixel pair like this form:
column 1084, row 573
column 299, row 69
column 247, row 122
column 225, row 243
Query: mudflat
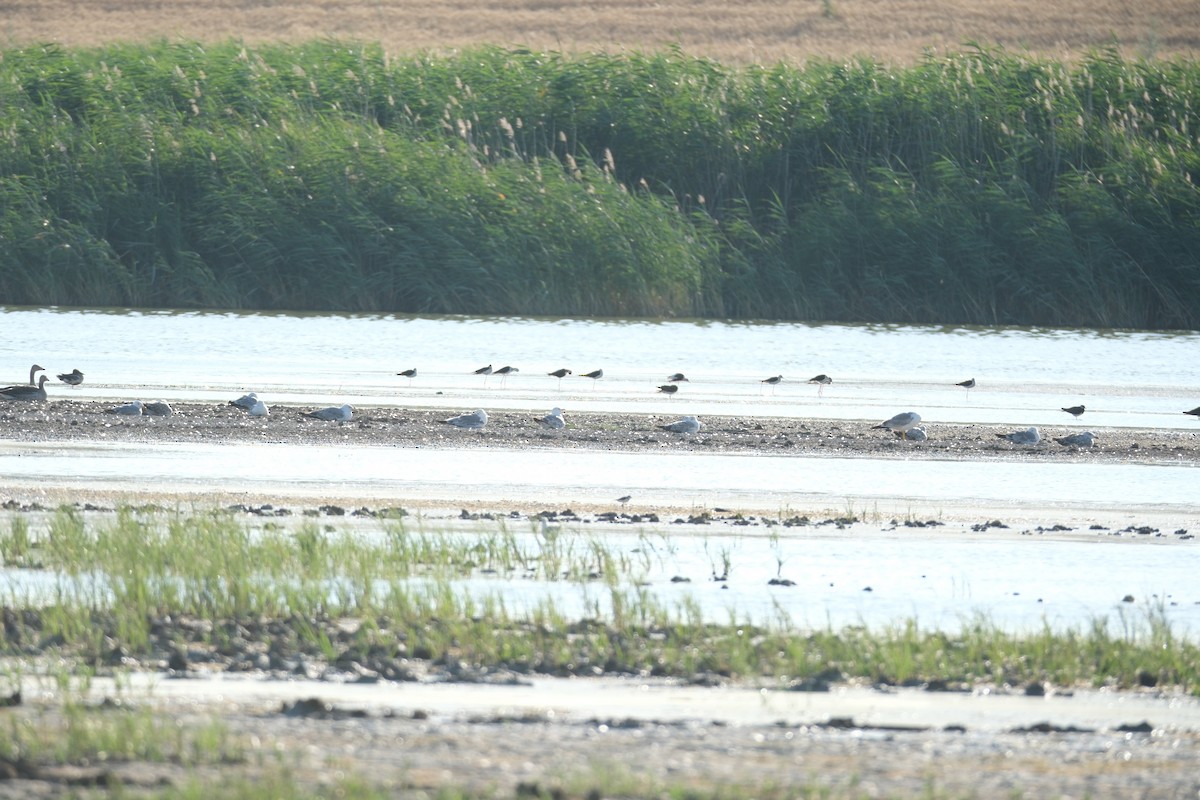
column 90, row 421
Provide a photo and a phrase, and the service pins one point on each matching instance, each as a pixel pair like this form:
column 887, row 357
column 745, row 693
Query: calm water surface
column 1024, row 376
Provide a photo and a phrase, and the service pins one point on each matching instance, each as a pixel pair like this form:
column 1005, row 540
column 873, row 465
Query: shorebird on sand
column 72, row 378
column 1027, row 436
column 902, row 423
column 821, row 381
column 1075, row 411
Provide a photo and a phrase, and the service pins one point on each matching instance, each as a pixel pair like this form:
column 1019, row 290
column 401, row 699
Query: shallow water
column 1138, row 379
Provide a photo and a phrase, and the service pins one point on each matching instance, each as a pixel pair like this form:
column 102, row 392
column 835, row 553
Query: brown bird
column 669, row 389
column 1075, row 411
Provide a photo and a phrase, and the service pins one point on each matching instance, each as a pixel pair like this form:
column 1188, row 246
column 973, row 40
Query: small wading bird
column 35, row 369
column 902, row 423
column 773, row 382
column 554, row 419
column 1195, row 412
column 821, row 381
column 408, row 373
column 1028, row 436
column 669, row 389
column 968, row 384
column 625, row 498
column 688, row 424
column 1075, row 411
column 26, row 393
column 332, row 413
column 484, row 371
column 72, row 378
column 1085, row 439
column 504, row 372
column 595, row 375
column 677, row 378
column 469, row 422
column 560, row 374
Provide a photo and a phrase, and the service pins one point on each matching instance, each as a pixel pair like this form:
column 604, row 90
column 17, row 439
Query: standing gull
column 1028, row 436
column 470, row 422
column 821, row 381
column 72, row 378
column 332, row 413
column 554, row 419
column 35, row 369
column 688, row 424
column 902, row 423
column 31, row 393
column 1075, row 411
column 1085, row 439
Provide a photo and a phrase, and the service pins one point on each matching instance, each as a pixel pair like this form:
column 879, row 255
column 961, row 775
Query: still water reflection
column 1140, row 379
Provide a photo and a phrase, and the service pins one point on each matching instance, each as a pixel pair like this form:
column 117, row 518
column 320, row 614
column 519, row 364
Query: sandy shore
column 66, row 421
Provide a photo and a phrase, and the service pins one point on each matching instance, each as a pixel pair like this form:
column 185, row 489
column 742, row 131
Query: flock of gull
column 905, row 425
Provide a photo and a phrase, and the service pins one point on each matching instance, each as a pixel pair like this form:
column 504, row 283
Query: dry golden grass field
column 737, row 31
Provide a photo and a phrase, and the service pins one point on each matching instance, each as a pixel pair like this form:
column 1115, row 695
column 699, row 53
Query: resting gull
column 554, row 419
column 245, row 402
column 131, row 409
column 470, row 422
column 688, row 424
column 333, row 413
column 34, row 393
column 914, row 434
column 1028, row 436
column 157, row 408
column 1085, row 439
column 259, row 409
column 72, row 378
column 902, row 423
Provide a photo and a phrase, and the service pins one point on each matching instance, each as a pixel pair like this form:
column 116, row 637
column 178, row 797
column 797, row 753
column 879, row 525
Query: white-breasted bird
column 688, row 424
column 1027, row 436
column 470, row 422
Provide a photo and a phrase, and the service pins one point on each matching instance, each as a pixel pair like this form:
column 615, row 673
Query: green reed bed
column 975, row 187
column 148, row 584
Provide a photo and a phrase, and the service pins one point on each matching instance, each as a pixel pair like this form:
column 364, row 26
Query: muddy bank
column 88, row 422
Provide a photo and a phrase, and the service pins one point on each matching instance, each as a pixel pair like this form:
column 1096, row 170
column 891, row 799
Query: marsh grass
column 416, row 591
column 975, row 187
